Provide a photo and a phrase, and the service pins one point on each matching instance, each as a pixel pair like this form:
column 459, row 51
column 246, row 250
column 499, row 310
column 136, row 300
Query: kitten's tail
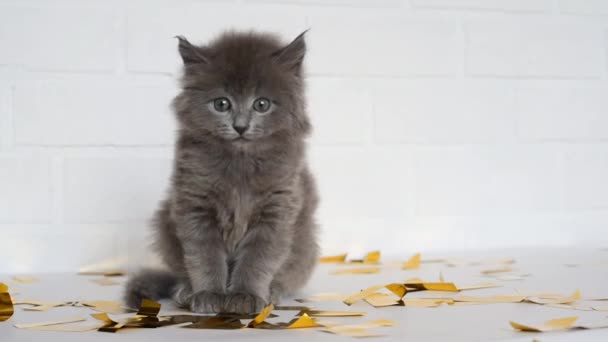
column 150, row 284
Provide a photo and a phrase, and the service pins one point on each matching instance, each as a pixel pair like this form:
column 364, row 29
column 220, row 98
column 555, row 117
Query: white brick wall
column 439, row 124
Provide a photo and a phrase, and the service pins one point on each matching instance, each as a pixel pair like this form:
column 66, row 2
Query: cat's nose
column 240, row 128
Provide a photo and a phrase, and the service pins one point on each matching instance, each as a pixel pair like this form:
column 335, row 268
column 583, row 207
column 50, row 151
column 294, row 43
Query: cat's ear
column 292, row 55
column 190, row 54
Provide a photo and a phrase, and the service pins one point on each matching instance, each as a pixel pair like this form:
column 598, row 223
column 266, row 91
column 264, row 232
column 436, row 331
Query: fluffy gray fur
column 237, row 230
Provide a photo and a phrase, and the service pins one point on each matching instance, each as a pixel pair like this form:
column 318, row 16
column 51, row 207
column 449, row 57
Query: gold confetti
column 511, row 277
column 329, row 313
column 357, row 270
column 38, row 305
column 380, row 300
column 261, row 317
column 111, row 267
column 413, row 263
column 362, row 295
column 106, row 306
column 105, row 281
column 62, row 321
column 448, row 287
column 108, row 273
column 333, row 259
column 303, row 321
column 369, row 258
column 476, row 286
column 357, row 330
column 372, row 258
column 413, row 280
column 148, row 308
column 571, row 307
column 491, row 299
column 560, row 300
column 551, row 325
column 497, row 270
column 24, row 279
column 322, row 297
column 426, row 302
column 6, row 304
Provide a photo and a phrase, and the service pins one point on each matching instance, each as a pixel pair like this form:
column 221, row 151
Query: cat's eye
column 221, row 104
column 261, row 105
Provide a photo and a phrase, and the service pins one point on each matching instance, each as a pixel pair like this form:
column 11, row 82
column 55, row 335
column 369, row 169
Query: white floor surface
column 550, row 270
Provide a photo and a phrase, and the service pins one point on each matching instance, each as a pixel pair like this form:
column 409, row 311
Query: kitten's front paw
column 182, row 295
column 244, row 303
column 207, row 302
column 276, row 292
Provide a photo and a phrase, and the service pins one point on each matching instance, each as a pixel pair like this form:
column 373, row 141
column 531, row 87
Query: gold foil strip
column 148, row 308
column 362, row 295
column 491, row 299
column 105, row 281
column 551, row 325
column 24, row 279
column 106, row 306
column 357, row 270
column 323, row 297
column 261, row 317
column 476, row 286
column 304, row 321
column 333, row 259
column 579, row 307
column 372, row 257
column 426, row 302
column 357, row 330
column 3, row 287
column 560, row 300
column 559, row 324
column 413, row 263
column 108, row 273
column 497, row 270
column 62, row 321
column 380, row 300
column 398, row 289
column 330, row 313
column 447, row 287
column 6, row 305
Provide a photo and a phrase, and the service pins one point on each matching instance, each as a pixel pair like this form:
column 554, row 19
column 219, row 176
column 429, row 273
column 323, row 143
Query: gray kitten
column 237, row 229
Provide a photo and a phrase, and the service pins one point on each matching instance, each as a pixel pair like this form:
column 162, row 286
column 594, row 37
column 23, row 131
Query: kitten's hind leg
column 150, row 284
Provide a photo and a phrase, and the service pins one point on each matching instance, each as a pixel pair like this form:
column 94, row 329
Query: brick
column 384, row 45
column 534, row 48
column 108, row 189
column 152, row 48
column 54, row 38
column 599, row 7
column 506, row 5
column 586, row 167
column 486, row 180
column 433, row 111
column 93, row 113
column 340, row 109
column 562, row 111
column 25, row 189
